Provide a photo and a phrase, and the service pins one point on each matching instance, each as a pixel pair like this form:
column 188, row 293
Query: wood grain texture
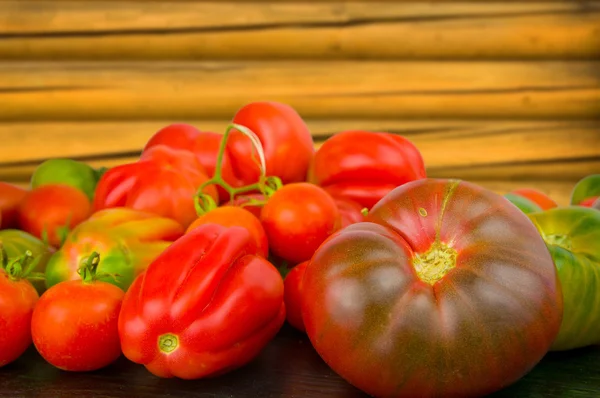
column 333, row 89
column 326, row 30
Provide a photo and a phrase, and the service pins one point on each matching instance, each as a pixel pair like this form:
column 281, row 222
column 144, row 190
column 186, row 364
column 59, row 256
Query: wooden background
column 505, row 94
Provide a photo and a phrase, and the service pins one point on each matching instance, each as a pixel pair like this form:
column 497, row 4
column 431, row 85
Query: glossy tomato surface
column 447, row 290
column 75, row 325
column 10, row 197
column 17, row 301
column 292, row 290
column 297, row 219
column 544, row 201
column 573, row 236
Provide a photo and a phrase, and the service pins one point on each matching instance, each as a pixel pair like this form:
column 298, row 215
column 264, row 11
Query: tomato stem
column 88, row 270
column 20, row 267
column 267, row 185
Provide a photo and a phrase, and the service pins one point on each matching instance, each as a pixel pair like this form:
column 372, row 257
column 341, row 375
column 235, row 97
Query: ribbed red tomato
column 447, row 290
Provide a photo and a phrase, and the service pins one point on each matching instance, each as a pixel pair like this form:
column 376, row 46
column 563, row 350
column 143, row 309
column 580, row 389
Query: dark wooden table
column 288, row 367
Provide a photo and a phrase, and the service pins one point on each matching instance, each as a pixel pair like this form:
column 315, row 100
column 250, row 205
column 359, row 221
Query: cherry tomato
column 229, row 216
column 75, row 323
column 297, row 219
column 50, row 211
column 539, row 198
column 10, row 198
column 17, row 301
column 292, row 295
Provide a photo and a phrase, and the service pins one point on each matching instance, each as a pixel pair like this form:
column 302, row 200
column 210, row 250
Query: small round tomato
column 17, row 301
column 75, row 323
column 539, row 198
column 10, row 198
column 229, row 216
column 292, row 295
column 49, row 212
column 297, row 219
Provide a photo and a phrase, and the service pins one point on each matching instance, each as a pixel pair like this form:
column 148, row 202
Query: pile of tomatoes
column 190, row 259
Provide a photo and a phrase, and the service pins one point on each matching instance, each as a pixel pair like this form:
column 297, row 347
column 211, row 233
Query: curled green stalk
column 20, row 267
column 266, row 185
column 88, row 269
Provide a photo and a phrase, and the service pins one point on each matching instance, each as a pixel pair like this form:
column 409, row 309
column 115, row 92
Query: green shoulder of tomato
column 525, row 205
column 70, row 172
column 572, row 235
column 125, row 240
column 586, row 189
column 29, row 251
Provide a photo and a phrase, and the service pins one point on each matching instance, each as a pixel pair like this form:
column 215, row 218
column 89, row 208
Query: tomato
column 446, row 290
column 247, row 202
column 163, row 182
column 230, row 216
column 292, row 286
column 350, row 211
column 18, row 298
column 49, row 212
column 586, row 191
column 10, row 198
column 68, row 172
column 75, row 323
column 207, row 305
column 537, row 197
column 524, row 204
column 573, row 234
column 364, row 166
column 286, row 141
column 203, row 144
column 297, row 219
column 17, row 243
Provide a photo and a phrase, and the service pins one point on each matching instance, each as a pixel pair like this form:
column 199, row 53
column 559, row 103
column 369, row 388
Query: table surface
column 288, row 367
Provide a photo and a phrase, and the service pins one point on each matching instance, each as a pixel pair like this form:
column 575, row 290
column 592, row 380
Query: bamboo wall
column 506, row 94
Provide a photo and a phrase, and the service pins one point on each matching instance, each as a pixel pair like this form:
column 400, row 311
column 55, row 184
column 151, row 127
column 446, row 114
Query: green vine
column 88, row 269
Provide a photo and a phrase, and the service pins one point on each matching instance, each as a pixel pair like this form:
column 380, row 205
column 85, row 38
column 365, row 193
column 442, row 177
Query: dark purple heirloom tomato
column 447, row 290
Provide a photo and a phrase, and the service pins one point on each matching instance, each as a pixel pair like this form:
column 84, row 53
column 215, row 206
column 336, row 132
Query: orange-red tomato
column 10, row 198
column 75, row 325
column 230, row 216
column 537, row 197
column 53, row 210
column 297, row 219
column 292, row 296
column 17, row 301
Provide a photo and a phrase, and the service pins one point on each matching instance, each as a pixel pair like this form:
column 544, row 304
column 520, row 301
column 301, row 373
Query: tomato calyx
column 168, row 343
column 20, row 267
column 88, row 270
column 267, row 185
column 435, row 263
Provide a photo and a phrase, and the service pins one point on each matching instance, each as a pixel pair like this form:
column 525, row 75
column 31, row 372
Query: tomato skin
column 203, row 144
column 68, row 172
column 350, row 211
column 16, row 242
column 286, row 140
column 297, row 219
column 589, row 202
column 382, row 310
column 17, row 301
column 229, row 216
column 364, row 166
column 526, row 205
column 586, row 190
column 544, row 201
column 242, row 201
column 293, row 295
column 572, row 234
column 54, row 208
column 163, row 182
column 208, row 299
column 10, row 197
column 74, row 325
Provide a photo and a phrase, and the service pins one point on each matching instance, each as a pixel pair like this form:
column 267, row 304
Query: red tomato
column 364, row 166
column 589, row 202
column 75, row 325
column 52, row 211
column 10, row 198
column 17, row 301
column 204, row 144
column 229, row 216
column 539, row 198
column 447, row 290
column 350, row 211
column 297, row 219
column 245, row 198
column 292, row 293
column 163, row 182
column 286, row 141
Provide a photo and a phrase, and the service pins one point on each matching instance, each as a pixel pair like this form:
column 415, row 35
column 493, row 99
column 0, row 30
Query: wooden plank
column 333, row 89
column 444, row 143
column 327, row 30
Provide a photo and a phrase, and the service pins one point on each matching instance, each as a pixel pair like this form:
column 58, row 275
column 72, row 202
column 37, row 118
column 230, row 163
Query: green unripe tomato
column 66, row 171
